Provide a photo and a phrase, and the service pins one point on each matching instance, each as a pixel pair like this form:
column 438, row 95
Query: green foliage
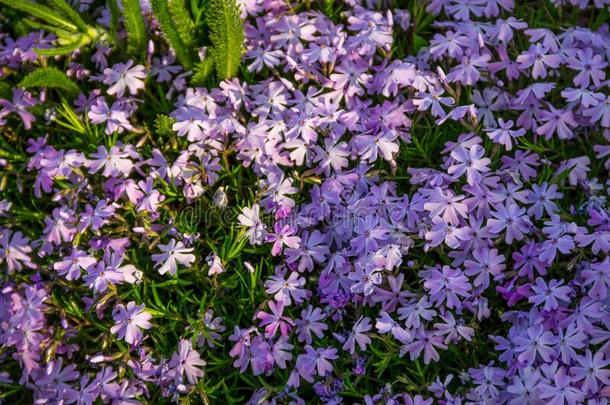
column 65, row 22
column 161, row 11
column 183, row 22
column 115, row 14
column 44, row 13
column 163, row 125
column 69, row 12
column 203, row 72
column 49, row 77
column 134, row 25
column 5, row 90
column 227, row 36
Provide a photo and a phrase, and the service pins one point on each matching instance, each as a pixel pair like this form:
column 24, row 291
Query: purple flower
column 536, row 342
column 186, row 361
column 71, row 266
column 163, row 68
column 599, row 112
column 275, row 320
column 597, row 274
column 313, row 249
column 394, row 296
column 505, row 134
column 511, row 218
column 559, row 121
column 173, row 253
column 427, row 342
column 129, row 322
column 21, row 101
column 116, row 117
column 446, row 285
column 467, row 71
column 415, row 312
column 550, row 294
column 541, row 199
column 487, row 263
column 442, row 232
column 525, row 386
column 469, row 161
column 569, row 341
column 561, row 390
column 285, row 289
column 590, row 67
column 358, row 335
column 592, row 370
column 114, row 162
column 309, row 323
column 215, row 264
column 453, row 330
column 364, row 279
column 385, row 324
column 121, row 394
column 539, row 57
column 281, row 237
column 369, row 234
column 315, row 362
column 448, row 206
column 123, row 75
column 14, row 250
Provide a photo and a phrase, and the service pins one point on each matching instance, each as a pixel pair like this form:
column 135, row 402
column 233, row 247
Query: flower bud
column 220, row 198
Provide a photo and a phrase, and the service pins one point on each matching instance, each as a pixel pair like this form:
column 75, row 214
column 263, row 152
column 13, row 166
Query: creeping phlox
column 431, row 200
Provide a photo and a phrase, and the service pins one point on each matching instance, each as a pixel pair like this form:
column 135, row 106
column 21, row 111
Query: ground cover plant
column 287, row 202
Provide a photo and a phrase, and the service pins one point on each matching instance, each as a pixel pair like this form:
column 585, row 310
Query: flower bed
column 267, row 201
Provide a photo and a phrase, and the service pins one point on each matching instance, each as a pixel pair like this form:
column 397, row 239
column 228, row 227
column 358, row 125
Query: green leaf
column 183, row 22
column 227, row 36
column 203, row 72
column 161, row 11
column 5, row 90
column 115, row 14
column 49, row 77
column 58, row 50
column 72, row 14
column 61, row 33
column 134, row 24
column 42, row 12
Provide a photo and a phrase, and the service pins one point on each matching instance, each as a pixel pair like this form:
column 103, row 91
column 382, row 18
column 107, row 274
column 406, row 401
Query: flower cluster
column 437, row 207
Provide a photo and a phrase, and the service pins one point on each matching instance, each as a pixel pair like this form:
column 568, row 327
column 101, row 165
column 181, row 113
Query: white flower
column 250, row 219
column 173, row 253
column 123, row 75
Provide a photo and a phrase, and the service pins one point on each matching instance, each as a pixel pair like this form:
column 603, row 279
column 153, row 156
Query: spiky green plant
column 49, row 77
column 227, row 36
column 134, row 25
column 169, row 28
column 183, row 22
column 66, row 23
column 225, row 33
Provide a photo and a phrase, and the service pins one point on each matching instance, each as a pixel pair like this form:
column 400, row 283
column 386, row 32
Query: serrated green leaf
column 70, row 13
column 203, row 72
column 58, row 50
column 163, row 15
column 42, row 12
column 61, row 33
column 49, row 77
column 227, row 36
column 182, row 21
column 134, row 25
column 115, row 14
